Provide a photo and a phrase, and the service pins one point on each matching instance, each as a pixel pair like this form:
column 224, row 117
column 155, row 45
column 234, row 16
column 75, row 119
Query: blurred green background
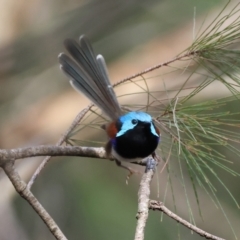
column 88, row 198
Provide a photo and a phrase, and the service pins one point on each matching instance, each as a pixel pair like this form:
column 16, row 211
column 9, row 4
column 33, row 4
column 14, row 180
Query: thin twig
column 186, row 55
column 156, row 205
column 143, row 204
column 24, row 192
column 78, row 118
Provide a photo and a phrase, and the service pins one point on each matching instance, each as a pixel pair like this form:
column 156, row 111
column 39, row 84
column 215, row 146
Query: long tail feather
column 89, row 75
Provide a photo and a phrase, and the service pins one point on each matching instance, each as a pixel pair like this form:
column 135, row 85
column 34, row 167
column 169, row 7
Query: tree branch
column 7, row 155
column 24, row 192
column 156, row 205
column 143, row 203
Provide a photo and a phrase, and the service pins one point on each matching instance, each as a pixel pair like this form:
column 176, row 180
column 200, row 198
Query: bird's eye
column 134, row 121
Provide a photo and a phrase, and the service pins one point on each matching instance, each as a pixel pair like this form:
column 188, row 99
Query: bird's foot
column 151, row 164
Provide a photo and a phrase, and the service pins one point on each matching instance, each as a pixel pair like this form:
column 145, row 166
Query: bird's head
column 136, row 120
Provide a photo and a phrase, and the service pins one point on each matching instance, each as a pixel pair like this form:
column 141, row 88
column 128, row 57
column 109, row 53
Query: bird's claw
column 151, row 164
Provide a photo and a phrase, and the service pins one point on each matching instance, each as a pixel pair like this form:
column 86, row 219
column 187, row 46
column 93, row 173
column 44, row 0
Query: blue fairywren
column 132, row 136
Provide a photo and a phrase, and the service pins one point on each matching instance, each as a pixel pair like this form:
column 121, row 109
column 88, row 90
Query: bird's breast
column 135, row 143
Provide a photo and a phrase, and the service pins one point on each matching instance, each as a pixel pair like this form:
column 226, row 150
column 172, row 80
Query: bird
column 132, row 136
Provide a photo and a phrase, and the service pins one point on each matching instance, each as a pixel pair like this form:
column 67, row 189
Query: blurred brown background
column 86, row 197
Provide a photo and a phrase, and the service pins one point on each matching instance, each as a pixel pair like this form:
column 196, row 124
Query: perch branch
column 143, row 204
column 7, row 155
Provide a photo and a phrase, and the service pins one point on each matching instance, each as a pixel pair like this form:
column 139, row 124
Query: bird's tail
column 89, row 75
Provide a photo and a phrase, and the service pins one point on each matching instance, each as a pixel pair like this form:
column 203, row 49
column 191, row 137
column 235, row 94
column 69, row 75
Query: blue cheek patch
column 153, row 130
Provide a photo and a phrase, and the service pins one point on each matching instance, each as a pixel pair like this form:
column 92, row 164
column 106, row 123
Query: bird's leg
column 130, row 170
column 108, row 148
column 157, row 158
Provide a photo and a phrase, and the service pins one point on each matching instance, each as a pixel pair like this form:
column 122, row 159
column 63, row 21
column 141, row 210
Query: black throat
column 138, row 142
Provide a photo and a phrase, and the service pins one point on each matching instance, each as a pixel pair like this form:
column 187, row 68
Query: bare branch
column 143, row 204
column 7, row 158
column 7, row 155
column 78, row 118
column 156, row 205
column 24, row 192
